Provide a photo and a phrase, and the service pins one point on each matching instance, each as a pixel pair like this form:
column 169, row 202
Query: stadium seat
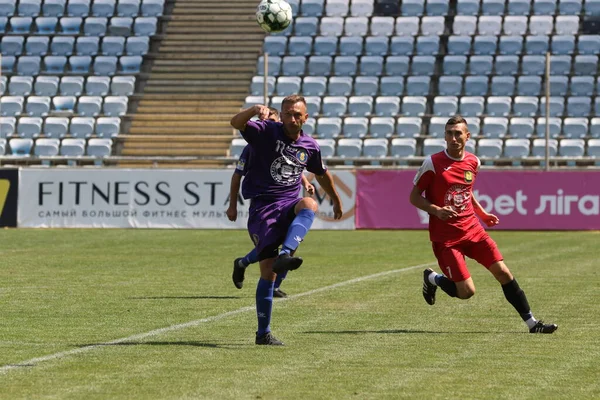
column 313, row 8
column 560, row 65
column 8, row 64
column 20, row 25
column 412, row 7
column 3, row 84
column 558, row 85
column 537, row 44
column 152, row 8
column 319, row 66
column 276, row 45
column 427, row 45
column 313, row 105
column 370, row 65
column 340, row 86
column 367, row 85
column 454, row 65
column 71, row 85
column 473, row 123
column 113, row 46
column 533, row 65
column 381, row 127
column 103, row 8
column 349, row 45
column 55, row 64
column 331, row 26
column 382, row 26
column 87, row 45
column 418, row 85
column 349, row 147
column 555, row 125
column 334, row 106
column 8, row 126
column 95, row 26
column 586, row 65
column 314, row 85
column 329, row 128
column 99, row 147
column 407, row 26
column 360, row 106
column 450, row 85
column 309, row 126
column 356, row 26
column 485, row 45
column 459, row 45
column 128, row 8
column 489, row 148
column 336, row 8
column 145, row 26
column 97, row 85
column 445, row 105
column 566, row 25
column 120, row 85
column 576, row 128
column 471, row 106
column 571, row 148
column 81, row 127
column 375, row 148
column 408, row 127
column 433, row 145
column 403, row 147
column 115, row 106
column 467, row 7
column 361, row 7
column 525, row 106
column 595, row 128
column 516, row 148
column 46, row 147
column 480, row 65
column 569, row 7
column 64, row 104
column 56, row 127
column 12, row 45
column 541, row 25
column 515, row 25
column 593, row 149
column 588, row 44
column 62, row 46
column 413, row 106
column 498, row 106
column 563, row 44
column 11, row 105
column 579, row 106
column 387, row 106
column 20, row 146
column 80, row 64
column 511, row 45
column 529, row 85
column 72, row 147
column 489, row 25
column 521, row 127
column 437, row 127
column 108, row 127
column 20, row 86
column 28, row 65
column 495, row 127
column 89, row 106
column 29, row 127
column 503, row 85
column 422, row 65
column 376, row 45
column 46, row 85
column 8, row 8
column 130, row 64
column 432, row 25
column 396, row 65
column 506, row 65
column 544, row 7
column 287, row 85
column 355, row 127
column 327, row 147
column 38, row 106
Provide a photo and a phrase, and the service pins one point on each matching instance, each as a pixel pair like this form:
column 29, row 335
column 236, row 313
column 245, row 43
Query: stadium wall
column 197, row 199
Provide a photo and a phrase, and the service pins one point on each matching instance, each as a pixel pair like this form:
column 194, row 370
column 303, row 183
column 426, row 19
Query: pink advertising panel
column 521, row 199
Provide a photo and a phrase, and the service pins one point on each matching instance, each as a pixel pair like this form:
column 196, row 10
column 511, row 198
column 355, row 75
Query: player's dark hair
column 293, row 99
column 455, row 120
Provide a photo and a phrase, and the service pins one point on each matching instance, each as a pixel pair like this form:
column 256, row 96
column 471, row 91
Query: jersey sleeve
column 425, row 174
column 252, row 130
column 315, row 163
column 243, row 163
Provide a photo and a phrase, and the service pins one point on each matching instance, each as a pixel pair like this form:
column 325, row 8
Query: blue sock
column 264, row 305
column 297, row 230
column 280, row 277
column 250, row 258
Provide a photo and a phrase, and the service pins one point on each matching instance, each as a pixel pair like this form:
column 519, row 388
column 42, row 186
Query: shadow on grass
column 186, row 298
column 404, row 331
column 183, row 343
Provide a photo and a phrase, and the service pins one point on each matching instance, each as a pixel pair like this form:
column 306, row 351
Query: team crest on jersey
column 301, row 155
column 468, row 176
column 458, row 197
column 285, row 171
column 241, row 164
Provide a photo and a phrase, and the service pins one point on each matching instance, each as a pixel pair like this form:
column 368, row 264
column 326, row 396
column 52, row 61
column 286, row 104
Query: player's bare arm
column 417, row 200
column 234, row 189
column 310, row 189
column 240, row 119
column 489, row 219
column 326, row 182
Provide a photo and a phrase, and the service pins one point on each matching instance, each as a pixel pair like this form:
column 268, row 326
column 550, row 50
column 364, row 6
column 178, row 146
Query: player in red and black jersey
column 447, row 180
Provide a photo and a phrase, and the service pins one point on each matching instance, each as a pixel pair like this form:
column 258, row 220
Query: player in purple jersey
column 281, row 153
column 243, row 164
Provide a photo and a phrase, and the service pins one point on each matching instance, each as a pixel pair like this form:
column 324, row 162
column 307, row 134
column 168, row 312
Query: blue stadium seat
column 376, row 45
column 83, row 127
column 95, row 26
column 566, row 25
column 3, row 23
column 409, row 126
column 152, row 8
column 8, row 8
column 361, row 7
column 427, row 45
column 137, row 45
column 70, row 25
column 345, row 65
column 87, row 45
column 287, row 85
column 375, row 148
column 541, row 25
column 464, row 25
column 306, row 26
column 560, row 65
column 293, row 65
column 555, row 125
column 309, row 126
column 113, row 45
column 595, row 128
column 407, row 26
column 336, row 8
column 349, row 45
column 145, row 26
column 71, row 85
column 72, row 147
column 355, row 127
column 325, row 45
column 476, row 85
column 371, row 65
column 516, row 148
column 329, row 128
column 489, row 148
column 506, row 65
column 571, row 148
column 12, row 45
column 474, row 123
column 489, row 25
column 351, row 147
column 339, row 86
column 480, row 65
column 511, row 45
column 103, row 8
column 99, row 147
column 55, row 64
column 558, row 85
column 432, row 26
column 450, row 85
column 396, row 65
column 3, row 84
column 89, row 106
column 557, row 106
column 312, row 8
column 563, row 44
column 327, row 147
column 485, row 45
column 588, row 44
column 579, row 106
column 356, row 26
column 276, row 45
column 331, row 26
column 298, row 45
column 78, row 8
column 62, row 45
column 28, row 65
column 569, row 7
column 64, row 104
column 8, row 64
column 525, row 106
column 8, row 126
column 582, row 86
column 56, row 127
column 29, row 8
column 445, row 105
column 433, row 145
column 368, row 85
column 20, row 146
column 593, row 148
column 503, row 85
column 498, row 106
column 533, row 65
column 115, row 106
column 80, row 64
column 387, row 106
column 418, row 85
column 467, row 7
column 29, row 127
column 437, row 7
column 521, row 127
column 360, row 106
column 38, row 106
column 314, row 85
column 592, row 7
column 130, row 64
column 455, row 65
column 515, row 25
column 108, row 127
column 529, row 85
column 128, row 8
column 274, row 65
column 537, row 44
column 471, row 106
column 575, row 128
column 437, row 127
column 381, row 127
column 313, row 105
column 413, row 106
column 403, row 147
column 422, row 65
column 382, row 26
column 412, row 7
column 20, row 25
column 319, row 65
column 121, row 85
column 46, row 85
column 334, row 106
column 459, row 45
column 586, row 65
column 492, row 7
column 20, row 86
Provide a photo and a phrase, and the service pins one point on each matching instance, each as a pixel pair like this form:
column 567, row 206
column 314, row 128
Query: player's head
column 293, row 113
column 273, row 115
column 456, row 134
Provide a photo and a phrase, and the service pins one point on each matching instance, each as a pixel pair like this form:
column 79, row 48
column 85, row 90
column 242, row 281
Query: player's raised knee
column 308, row 203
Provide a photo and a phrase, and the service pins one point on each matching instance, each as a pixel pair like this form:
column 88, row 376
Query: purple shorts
column 268, row 224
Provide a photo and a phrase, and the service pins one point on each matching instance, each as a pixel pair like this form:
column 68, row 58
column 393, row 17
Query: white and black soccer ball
column 273, row 15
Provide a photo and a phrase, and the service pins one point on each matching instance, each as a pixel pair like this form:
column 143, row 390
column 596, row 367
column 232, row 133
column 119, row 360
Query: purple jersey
column 277, row 161
column 243, row 164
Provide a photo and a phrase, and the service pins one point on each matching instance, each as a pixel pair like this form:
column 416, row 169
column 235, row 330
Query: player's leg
column 279, row 280
column 487, row 254
column 264, row 300
column 303, row 216
column 239, row 267
column 455, row 279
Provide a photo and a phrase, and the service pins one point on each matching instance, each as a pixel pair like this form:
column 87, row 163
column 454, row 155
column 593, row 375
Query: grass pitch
column 152, row 314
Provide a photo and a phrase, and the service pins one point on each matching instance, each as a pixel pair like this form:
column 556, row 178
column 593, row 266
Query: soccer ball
column 273, row 15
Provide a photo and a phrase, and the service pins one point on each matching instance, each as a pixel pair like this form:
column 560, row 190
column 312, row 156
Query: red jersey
column 449, row 182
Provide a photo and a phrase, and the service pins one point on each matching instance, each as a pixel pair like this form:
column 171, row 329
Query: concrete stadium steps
column 199, row 79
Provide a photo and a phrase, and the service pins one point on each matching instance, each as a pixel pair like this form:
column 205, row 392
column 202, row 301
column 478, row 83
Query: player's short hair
column 274, row 111
column 455, row 120
column 293, row 99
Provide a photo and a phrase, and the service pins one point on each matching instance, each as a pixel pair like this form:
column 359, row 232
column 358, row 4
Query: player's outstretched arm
column 240, row 119
column 234, row 189
column 489, row 219
column 326, row 182
column 422, row 203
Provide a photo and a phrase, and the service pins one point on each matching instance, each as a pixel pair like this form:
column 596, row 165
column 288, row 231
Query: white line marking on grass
column 34, row 361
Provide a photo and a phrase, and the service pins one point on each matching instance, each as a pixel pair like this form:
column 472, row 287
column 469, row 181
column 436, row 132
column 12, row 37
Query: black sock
column 515, row 296
column 446, row 285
